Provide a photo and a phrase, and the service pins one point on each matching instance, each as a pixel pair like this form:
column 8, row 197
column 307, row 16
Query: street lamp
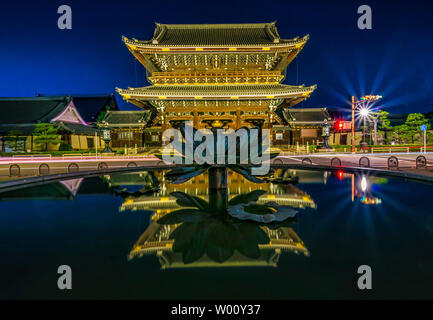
column 364, row 112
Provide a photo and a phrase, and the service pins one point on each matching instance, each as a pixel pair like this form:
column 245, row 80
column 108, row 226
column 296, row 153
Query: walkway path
column 413, row 163
column 405, row 164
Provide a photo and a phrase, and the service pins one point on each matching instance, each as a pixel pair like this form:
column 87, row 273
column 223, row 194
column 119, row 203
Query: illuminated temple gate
column 216, row 75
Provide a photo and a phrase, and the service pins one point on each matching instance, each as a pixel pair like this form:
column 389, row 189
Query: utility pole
column 425, row 141
column 353, row 124
column 424, row 128
column 96, row 144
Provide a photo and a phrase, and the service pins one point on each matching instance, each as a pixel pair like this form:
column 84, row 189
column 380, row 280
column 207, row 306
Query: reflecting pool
column 144, row 234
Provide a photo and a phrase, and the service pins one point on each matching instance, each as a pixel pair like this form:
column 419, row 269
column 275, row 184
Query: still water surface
column 105, row 228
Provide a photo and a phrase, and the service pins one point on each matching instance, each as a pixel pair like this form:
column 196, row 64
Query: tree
column 385, row 124
column 14, row 138
column 413, row 123
column 400, row 133
column 102, row 114
column 382, row 116
column 46, row 133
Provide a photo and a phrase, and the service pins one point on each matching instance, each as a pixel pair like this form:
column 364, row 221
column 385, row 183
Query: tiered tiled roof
column 212, row 63
column 225, row 92
column 193, row 35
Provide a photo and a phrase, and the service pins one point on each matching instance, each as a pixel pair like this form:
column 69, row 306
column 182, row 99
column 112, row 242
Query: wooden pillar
column 195, row 119
column 163, row 123
column 163, row 127
column 269, row 126
column 238, row 119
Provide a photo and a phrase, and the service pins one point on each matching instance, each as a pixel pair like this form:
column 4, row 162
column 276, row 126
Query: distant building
column 73, row 116
column 301, row 126
column 131, row 128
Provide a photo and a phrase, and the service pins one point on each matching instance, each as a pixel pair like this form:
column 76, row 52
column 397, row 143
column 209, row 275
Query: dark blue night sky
column 394, row 59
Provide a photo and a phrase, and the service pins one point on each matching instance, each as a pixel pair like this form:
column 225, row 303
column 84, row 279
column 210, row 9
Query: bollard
column 44, row 169
column 335, row 162
column 392, row 162
column 364, row 162
column 420, row 162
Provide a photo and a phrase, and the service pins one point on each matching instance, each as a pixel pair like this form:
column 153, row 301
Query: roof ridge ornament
column 159, row 33
column 214, row 25
column 272, row 32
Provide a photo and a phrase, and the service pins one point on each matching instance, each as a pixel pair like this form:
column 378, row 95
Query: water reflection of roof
column 169, row 202
column 127, row 178
column 49, row 191
column 198, row 186
column 155, row 240
column 60, row 190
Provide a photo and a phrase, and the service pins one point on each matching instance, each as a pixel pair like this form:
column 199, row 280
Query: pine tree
column 385, row 124
column 46, row 133
column 413, row 123
column 13, row 139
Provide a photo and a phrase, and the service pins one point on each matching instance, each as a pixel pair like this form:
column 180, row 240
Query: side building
column 131, row 129
column 74, row 117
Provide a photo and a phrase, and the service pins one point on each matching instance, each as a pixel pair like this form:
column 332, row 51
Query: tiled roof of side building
column 309, row 114
column 25, row 129
column 43, row 108
column 90, row 106
column 76, row 128
column 248, row 34
column 31, row 110
column 119, row 118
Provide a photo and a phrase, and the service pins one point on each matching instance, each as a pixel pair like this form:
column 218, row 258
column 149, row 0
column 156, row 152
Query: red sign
column 347, row 125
